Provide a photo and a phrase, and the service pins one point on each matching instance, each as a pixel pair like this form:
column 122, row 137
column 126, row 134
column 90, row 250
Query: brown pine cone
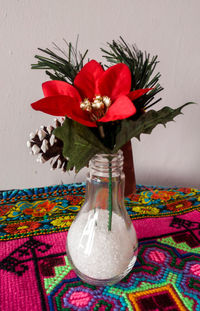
column 48, row 147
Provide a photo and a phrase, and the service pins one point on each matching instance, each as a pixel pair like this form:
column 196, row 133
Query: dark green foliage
column 111, row 129
column 59, row 68
column 145, row 124
column 79, row 144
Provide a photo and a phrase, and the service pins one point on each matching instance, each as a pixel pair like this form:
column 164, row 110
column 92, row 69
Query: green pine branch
column 61, row 65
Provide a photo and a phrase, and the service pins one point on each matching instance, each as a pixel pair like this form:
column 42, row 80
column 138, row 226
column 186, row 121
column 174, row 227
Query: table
column 36, row 275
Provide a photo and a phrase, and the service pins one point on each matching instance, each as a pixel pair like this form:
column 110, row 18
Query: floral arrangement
column 101, row 107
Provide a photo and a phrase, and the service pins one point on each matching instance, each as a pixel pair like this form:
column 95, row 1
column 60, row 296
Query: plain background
column 167, row 28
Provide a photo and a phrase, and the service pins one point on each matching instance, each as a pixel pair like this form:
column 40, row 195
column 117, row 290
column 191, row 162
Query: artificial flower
column 97, row 95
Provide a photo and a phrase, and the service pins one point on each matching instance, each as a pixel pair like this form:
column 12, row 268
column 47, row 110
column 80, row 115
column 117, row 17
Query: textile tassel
column 110, row 194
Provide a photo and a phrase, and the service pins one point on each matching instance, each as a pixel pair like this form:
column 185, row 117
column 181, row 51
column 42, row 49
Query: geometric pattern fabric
column 31, row 212
column 36, row 275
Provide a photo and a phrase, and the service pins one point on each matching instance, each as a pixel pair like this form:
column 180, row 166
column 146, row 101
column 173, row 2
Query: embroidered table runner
column 36, row 276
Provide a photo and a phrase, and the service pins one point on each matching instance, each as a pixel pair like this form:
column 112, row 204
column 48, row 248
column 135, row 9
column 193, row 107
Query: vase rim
column 107, row 155
column 102, row 162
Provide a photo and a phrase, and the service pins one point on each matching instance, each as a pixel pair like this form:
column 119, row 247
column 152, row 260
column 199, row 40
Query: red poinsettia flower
column 97, row 95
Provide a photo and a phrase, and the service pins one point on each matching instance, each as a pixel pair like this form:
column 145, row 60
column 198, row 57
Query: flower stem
column 110, row 194
column 101, row 131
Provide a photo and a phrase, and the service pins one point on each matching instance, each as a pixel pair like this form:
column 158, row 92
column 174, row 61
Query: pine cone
column 48, row 147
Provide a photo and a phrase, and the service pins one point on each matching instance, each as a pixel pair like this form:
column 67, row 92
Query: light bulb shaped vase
column 101, row 242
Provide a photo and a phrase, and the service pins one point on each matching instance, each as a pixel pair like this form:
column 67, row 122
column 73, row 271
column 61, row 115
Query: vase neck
column 101, row 164
column 105, row 170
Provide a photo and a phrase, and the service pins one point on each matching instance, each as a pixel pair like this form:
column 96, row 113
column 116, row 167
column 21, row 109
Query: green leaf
column 145, row 124
column 79, row 144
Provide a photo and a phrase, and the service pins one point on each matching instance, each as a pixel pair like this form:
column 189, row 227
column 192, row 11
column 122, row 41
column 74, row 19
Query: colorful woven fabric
column 35, row 273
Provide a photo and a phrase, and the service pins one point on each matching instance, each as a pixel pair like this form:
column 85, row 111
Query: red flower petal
column 63, row 106
column 137, row 93
column 115, row 81
column 54, row 88
column 122, row 108
column 86, row 79
column 84, row 121
column 55, row 105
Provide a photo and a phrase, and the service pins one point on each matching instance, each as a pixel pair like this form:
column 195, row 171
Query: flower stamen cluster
column 97, row 108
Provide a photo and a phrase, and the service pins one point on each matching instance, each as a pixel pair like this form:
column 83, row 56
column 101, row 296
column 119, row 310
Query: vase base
column 105, row 282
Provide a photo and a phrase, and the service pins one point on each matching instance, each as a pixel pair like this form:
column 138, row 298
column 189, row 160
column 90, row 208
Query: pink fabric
column 22, row 291
column 149, row 227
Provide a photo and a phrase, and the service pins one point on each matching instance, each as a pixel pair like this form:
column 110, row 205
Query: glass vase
column 102, row 242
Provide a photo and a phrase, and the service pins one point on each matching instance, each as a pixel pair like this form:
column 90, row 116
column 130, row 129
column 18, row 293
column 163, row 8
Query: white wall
column 168, row 28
